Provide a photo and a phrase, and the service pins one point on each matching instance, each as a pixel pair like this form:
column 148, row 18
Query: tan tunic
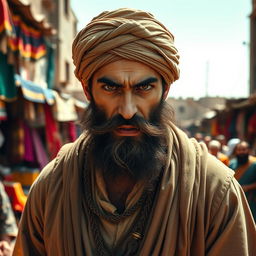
column 200, row 209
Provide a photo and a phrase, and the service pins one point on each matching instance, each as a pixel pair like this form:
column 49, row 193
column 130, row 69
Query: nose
column 127, row 108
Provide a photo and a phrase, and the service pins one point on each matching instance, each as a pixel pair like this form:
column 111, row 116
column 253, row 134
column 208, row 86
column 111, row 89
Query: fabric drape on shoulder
column 200, row 209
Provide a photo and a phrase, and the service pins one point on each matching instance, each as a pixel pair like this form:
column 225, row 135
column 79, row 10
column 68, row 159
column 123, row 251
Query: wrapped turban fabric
column 125, row 34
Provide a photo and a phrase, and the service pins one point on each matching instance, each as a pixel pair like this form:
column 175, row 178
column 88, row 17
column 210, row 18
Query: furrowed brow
column 108, row 81
column 146, row 81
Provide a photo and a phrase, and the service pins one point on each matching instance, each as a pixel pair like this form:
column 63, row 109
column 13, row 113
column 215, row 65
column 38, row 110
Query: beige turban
column 125, row 34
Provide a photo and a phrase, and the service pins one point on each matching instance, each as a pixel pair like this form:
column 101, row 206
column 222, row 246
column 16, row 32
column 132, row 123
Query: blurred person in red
column 133, row 183
column 215, row 150
column 244, row 166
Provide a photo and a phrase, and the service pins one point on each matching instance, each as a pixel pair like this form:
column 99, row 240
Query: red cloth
column 252, row 124
column 29, row 154
column 52, row 132
column 6, row 25
column 72, row 131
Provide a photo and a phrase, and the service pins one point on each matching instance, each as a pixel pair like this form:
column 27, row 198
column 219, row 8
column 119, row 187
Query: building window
column 67, row 72
column 181, row 109
column 66, row 7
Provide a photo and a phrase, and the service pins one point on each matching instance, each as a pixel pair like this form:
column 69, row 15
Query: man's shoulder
column 219, row 179
column 217, row 170
column 51, row 171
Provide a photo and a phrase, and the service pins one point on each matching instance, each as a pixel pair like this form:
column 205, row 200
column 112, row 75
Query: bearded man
column 133, row 183
column 244, row 166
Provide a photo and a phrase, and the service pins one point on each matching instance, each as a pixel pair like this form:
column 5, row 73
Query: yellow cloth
column 125, row 34
column 200, row 209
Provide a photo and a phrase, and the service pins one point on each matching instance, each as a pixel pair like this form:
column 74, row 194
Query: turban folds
column 125, row 34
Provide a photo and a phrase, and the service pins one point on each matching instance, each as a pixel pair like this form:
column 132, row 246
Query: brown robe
column 199, row 210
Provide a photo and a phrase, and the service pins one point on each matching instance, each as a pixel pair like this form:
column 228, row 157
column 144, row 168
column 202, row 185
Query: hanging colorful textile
column 16, row 145
column 41, row 156
column 5, row 18
column 29, row 154
column 252, row 126
column 33, row 92
column 3, row 114
column 24, row 40
column 50, row 66
column 6, row 25
column 8, row 90
column 28, row 42
column 72, row 131
column 52, row 132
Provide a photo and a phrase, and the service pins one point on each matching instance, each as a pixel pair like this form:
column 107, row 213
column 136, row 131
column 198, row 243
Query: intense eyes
column 144, row 87
column 110, row 88
column 136, row 88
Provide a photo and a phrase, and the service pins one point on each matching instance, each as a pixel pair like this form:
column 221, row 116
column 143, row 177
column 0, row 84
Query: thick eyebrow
column 146, row 81
column 108, row 81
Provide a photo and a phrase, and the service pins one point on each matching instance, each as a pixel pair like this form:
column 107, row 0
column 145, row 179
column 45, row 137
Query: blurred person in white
column 133, row 183
column 231, row 146
column 215, row 150
column 8, row 226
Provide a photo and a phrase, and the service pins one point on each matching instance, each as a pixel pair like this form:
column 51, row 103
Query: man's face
column 242, row 149
column 126, row 120
column 127, row 88
column 242, row 152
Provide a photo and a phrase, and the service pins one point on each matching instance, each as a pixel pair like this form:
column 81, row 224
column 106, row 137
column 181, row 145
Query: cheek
column 107, row 106
column 149, row 106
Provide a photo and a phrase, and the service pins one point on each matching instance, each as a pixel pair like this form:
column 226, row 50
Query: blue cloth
column 33, row 92
column 247, row 178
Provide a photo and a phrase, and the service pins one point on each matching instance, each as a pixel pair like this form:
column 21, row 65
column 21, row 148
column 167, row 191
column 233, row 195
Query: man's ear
column 86, row 90
column 166, row 91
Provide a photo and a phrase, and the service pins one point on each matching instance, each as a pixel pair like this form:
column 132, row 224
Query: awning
column 251, row 101
column 33, row 92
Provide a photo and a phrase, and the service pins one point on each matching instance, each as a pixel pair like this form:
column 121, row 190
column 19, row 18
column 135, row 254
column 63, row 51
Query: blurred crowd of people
column 237, row 155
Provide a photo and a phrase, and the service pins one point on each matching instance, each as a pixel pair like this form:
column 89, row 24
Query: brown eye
column 110, row 88
column 144, row 87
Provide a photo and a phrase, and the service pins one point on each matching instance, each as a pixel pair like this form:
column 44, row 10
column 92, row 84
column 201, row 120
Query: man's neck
column 118, row 189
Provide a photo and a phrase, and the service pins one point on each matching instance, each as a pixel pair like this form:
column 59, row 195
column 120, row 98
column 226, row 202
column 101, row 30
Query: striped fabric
column 24, row 40
column 33, row 92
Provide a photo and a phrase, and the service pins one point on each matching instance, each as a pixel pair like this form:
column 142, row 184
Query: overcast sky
column 212, row 37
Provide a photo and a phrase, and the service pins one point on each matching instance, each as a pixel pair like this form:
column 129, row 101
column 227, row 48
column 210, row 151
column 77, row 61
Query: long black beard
column 141, row 158
column 242, row 159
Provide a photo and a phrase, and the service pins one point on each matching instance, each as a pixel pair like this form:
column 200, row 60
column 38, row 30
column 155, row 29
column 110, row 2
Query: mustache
column 137, row 121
